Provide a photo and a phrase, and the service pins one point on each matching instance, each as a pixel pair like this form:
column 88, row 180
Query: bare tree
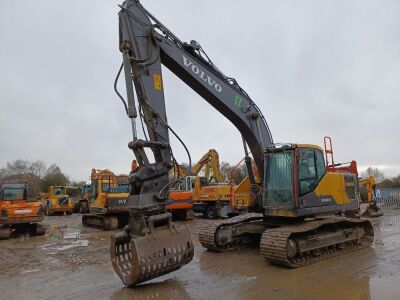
column 379, row 176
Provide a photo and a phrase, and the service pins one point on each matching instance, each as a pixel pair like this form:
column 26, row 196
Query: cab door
column 311, row 169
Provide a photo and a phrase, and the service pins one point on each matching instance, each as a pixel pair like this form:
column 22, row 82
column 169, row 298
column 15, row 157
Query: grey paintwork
column 144, row 50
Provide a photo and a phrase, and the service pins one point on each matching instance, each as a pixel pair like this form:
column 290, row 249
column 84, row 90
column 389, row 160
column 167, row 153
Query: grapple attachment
column 138, row 259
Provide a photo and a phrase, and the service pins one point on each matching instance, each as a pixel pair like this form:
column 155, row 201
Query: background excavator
column 209, row 195
column 367, row 193
column 301, row 206
column 190, row 191
column 189, row 188
column 17, row 213
column 106, row 201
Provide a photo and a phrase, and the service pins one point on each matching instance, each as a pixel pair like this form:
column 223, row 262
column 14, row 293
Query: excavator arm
column 210, row 160
column 151, row 245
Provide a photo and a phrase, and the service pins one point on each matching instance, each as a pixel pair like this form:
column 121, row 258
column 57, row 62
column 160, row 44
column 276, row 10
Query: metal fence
column 388, row 198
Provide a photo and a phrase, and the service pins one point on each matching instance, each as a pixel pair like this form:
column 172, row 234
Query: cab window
column 311, row 170
column 279, row 188
column 307, row 171
column 320, row 162
column 13, row 194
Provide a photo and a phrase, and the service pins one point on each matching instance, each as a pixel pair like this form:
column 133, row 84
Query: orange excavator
column 18, row 213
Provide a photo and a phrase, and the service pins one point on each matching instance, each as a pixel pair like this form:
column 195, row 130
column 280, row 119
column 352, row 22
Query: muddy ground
column 72, row 262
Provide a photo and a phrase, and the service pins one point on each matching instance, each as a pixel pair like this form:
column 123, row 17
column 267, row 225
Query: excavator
column 106, row 202
column 189, row 188
column 181, row 198
column 18, row 214
column 300, row 207
column 367, row 193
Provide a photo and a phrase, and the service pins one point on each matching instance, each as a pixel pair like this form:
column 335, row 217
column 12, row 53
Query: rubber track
column 208, row 231
column 273, row 244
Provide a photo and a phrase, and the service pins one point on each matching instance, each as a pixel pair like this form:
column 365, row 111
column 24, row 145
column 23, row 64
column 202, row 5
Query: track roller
column 309, row 242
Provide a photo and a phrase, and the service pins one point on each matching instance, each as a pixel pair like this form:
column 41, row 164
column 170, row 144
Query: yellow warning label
column 157, row 82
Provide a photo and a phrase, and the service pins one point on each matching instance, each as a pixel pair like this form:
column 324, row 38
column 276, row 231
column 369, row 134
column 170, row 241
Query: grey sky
column 314, row 68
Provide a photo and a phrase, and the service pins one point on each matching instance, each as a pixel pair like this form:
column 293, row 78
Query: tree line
column 380, row 179
column 38, row 176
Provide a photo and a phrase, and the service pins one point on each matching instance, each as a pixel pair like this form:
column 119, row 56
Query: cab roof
column 291, row 146
column 13, row 186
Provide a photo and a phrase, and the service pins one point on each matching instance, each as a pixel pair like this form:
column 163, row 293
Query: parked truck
column 57, row 201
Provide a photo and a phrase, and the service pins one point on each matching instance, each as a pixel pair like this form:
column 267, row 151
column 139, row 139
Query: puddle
column 64, row 245
column 29, row 271
column 390, row 223
column 384, row 288
column 56, row 232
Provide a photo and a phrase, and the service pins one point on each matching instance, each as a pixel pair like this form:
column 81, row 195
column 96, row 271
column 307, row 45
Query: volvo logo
column 200, row 73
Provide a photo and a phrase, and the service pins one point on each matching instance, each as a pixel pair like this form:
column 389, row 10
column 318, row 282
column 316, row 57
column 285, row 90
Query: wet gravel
column 72, row 262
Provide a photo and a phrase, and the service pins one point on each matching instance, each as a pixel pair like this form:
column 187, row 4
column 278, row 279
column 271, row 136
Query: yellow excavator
column 208, row 195
column 217, row 198
column 367, row 192
column 106, row 201
column 185, row 190
column 300, row 207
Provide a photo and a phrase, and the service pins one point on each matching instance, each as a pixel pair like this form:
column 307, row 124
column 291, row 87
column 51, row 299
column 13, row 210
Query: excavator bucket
column 139, row 259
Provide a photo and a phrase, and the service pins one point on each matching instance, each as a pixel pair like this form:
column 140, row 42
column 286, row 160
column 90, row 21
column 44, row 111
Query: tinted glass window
column 279, row 189
column 58, row 191
column 13, row 194
column 307, row 171
column 320, row 164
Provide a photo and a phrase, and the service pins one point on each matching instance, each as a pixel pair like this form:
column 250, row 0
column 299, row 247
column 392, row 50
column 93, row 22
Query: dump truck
column 17, row 213
column 57, row 201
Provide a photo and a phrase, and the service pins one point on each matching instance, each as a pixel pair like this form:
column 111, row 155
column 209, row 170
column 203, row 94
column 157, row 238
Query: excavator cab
column 297, row 184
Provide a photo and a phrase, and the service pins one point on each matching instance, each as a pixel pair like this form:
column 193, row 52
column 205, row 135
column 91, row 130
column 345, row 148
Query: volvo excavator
column 301, row 207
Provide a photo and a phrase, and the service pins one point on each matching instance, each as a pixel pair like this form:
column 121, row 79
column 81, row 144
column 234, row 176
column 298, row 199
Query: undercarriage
column 290, row 244
column 33, row 229
column 105, row 222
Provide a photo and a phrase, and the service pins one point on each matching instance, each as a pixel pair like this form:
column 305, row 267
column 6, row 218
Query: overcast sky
column 315, row 68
